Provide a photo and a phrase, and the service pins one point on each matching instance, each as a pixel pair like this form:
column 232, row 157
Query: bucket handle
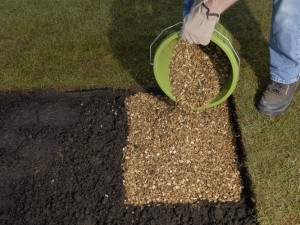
column 167, row 28
column 233, row 49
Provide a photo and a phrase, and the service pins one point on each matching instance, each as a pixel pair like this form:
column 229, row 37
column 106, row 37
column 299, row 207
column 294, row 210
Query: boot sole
column 270, row 113
column 274, row 112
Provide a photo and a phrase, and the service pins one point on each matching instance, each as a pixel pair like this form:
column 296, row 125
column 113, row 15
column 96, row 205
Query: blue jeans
column 285, row 41
column 187, row 5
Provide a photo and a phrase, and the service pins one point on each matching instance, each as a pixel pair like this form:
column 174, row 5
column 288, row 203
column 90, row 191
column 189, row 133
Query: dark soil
column 60, row 163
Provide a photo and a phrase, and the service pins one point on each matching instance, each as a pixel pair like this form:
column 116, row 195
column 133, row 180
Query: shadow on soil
column 60, row 163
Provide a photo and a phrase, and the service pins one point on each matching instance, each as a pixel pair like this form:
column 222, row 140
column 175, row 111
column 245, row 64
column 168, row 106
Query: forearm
column 219, row 6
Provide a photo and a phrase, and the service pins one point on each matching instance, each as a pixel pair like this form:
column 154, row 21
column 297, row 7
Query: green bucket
column 163, row 56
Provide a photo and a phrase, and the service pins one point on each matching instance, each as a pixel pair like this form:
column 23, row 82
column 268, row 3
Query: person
column 200, row 18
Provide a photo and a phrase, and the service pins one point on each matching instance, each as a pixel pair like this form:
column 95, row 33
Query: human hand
column 199, row 24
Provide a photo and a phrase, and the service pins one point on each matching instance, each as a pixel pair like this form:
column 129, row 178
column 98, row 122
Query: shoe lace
column 278, row 88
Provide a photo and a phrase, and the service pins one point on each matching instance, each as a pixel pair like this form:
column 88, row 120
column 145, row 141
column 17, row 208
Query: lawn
column 90, row 44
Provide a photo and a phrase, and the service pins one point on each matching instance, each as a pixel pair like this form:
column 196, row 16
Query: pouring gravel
column 197, row 73
column 175, row 154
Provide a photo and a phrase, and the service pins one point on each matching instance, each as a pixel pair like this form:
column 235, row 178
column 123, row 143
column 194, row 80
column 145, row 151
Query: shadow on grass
column 135, row 24
column 254, row 49
column 247, row 192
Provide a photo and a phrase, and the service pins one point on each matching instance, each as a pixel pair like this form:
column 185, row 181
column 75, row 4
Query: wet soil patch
column 60, row 163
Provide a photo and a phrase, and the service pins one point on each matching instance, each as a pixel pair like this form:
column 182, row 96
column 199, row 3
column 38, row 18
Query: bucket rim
column 220, row 42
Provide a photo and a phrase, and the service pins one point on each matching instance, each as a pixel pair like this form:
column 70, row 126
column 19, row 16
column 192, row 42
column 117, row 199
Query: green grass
column 78, row 44
column 272, row 143
column 87, row 44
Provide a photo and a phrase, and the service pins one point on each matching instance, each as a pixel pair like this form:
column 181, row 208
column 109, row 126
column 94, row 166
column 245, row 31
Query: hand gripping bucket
column 163, row 55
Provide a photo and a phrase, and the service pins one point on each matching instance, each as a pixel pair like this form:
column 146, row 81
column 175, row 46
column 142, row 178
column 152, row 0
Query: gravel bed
column 178, row 156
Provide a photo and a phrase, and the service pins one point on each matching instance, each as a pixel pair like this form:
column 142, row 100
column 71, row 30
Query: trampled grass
column 87, row 44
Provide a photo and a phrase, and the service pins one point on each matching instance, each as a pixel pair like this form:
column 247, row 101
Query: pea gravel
column 178, row 156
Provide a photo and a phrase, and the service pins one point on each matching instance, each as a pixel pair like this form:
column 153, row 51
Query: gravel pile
column 197, row 73
column 178, row 156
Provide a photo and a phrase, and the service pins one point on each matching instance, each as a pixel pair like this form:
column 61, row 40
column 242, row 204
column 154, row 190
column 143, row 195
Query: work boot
column 276, row 98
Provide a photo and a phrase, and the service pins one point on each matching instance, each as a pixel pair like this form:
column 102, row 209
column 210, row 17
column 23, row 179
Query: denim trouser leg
column 285, row 41
column 187, row 5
